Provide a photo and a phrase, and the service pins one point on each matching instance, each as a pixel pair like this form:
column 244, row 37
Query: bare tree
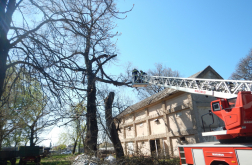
column 243, row 69
column 24, row 46
column 66, row 48
column 89, row 48
column 113, row 134
column 160, row 70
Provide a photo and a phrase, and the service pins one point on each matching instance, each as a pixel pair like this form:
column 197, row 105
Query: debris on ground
column 92, row 160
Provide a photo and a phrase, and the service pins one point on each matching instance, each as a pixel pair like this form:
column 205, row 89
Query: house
column 159, row 123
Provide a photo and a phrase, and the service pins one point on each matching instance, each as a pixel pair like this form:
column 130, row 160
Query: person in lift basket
column 135, row 75
column 142, row 74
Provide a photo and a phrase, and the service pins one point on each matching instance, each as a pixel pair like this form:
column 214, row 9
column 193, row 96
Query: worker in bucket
column 135, row 75
column 142, row 74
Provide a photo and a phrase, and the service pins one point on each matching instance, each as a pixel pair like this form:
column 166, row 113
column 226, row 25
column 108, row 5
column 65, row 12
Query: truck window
column 216, row 106
column 231, row 102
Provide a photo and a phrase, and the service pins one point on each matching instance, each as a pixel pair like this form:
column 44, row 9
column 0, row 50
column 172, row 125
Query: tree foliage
column 60, row 147
column 243, row 69
column 28, row 109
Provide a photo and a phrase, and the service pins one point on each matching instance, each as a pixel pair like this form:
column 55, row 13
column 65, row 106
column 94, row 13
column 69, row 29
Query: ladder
column 211, row 87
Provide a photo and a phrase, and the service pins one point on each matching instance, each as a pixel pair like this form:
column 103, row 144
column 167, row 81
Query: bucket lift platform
column 140, row 84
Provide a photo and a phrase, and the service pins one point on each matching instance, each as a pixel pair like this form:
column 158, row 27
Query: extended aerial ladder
column 233, row 104
column 212, row 87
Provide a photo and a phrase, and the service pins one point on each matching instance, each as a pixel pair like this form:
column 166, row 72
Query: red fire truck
column 233, row 106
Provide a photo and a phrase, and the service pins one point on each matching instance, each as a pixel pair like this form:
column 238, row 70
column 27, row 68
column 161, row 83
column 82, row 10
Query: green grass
column 58, row 160
column 68, row 159
column 53, row 160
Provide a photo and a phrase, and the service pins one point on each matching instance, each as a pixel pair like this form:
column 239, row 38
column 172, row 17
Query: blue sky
column 185, row 35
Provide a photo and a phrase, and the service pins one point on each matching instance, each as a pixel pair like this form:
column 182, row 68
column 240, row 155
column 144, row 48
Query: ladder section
column 212, row 87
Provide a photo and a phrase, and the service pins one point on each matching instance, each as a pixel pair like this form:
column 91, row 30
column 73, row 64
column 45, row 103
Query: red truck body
column 215, row 153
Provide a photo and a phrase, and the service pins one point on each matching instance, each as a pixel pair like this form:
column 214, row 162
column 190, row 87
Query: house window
column 157, row 121
column 179, row 114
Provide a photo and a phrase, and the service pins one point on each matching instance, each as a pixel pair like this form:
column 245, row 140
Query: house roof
column 204, row 74
column 152, row 99
column 208, row 72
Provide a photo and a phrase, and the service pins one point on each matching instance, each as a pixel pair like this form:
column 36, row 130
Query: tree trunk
column 111, row 125
column 79, row 145
column 92, row 128
column 83, row 138
column 83, row 141
column 4, row 44
column 4, row 50
column 32, row 136
column 74, row 147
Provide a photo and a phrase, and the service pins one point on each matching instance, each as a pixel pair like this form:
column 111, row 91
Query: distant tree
column 27, row 111
column 78, row 112
column 160, row 70
column 8, row 115
column 75, row 127
column 243, row 69
column 106, row 144
column 60, row 147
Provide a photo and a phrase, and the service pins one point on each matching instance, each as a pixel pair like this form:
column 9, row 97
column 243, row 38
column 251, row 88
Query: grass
column 53, row 160
column 68, row 159
column 58, row 160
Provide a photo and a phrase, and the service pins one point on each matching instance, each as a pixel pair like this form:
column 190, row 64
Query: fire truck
column 233, row 105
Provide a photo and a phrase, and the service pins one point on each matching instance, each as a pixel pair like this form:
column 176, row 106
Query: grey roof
column 195, row 75
column 202, row 73
column 164, row 93
column 152, row 99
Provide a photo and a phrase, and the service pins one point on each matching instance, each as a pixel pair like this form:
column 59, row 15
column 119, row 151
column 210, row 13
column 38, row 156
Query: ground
column 68, row 159
column 54, row 160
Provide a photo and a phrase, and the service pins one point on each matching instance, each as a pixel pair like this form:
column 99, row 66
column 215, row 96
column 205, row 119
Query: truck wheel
column 13, row 161
column 22, row 162
column 37, row 160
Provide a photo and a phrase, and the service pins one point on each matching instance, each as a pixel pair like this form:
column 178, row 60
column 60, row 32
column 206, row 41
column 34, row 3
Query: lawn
column 68, row 159
column 58, row 160
column 53, row 160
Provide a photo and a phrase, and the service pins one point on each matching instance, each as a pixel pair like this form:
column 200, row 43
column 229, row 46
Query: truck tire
column 22, row 162
column 13, row 161
column 37, row 160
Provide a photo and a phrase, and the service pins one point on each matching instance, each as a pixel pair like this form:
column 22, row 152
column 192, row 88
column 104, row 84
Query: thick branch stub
column 111, row 125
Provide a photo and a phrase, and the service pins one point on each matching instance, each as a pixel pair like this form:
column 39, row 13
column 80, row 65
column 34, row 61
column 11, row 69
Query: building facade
column 158, row 124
